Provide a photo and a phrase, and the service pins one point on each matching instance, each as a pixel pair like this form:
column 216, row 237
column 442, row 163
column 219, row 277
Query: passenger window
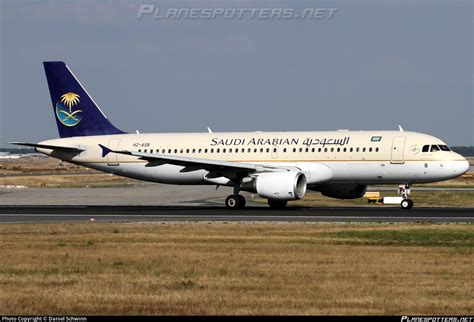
column 205, row 150
column 249, row 150
column 301, row 149
column 338, row 149
column 199, row 151
column 370, row 149
column 357, row 149
column 175, row 151
column 325, row 149
column 351, row 150
column 151, row 151
column 376, row 149
column 284, row 149
column 230, row 150
column 194, row 150
column 294, row 149
column 312, row 149
column 139, row 150
column 212, row 150
column 218, row 151
column 332, row 149
column 426, row 148
column 345, row 149
column 434, row 148
column 268, row 150
column 261, row 150
column 319, row 149
column 274, row 149
column 169, row 151
column 223, row 150
column 243, row 150
column 255, row 150
column 144, row 151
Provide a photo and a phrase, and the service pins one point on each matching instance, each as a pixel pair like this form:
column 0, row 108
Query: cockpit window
column 426, row 148
column 434, row 148
column 444, row 148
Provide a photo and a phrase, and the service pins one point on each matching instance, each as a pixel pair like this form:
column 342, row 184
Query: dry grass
column 97, row 268
column 52, row 173
column 84, row 180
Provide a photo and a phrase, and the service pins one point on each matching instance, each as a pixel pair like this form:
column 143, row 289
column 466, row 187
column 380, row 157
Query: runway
column 191, row 213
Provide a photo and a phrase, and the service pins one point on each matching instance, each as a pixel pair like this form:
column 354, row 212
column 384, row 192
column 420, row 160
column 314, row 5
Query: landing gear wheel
column 241, row 200
column 235, row 202
column 406, row 204
column 232, row 202
column 277, row 204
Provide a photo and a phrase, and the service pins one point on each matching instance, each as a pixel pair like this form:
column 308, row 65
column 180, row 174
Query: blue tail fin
column 76, row 112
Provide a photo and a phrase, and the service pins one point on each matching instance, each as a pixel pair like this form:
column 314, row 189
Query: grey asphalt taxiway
column 165, row 203
column 197, row 213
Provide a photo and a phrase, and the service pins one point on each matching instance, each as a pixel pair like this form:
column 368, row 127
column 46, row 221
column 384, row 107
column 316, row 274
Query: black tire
column 242, row 201
column 406, row 204
column 232, row 202
column 277, row 204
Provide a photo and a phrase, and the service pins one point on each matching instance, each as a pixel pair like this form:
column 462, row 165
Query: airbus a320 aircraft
column 278, row 166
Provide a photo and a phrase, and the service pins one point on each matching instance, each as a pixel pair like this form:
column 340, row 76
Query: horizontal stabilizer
column 50, row 147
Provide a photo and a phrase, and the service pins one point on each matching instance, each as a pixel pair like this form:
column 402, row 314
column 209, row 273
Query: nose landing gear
column 404, row 192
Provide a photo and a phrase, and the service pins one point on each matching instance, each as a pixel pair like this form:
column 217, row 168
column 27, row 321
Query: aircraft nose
column 463, row 166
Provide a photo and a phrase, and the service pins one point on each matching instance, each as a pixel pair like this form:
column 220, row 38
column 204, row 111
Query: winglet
column 105, row 150
column 400, row 128
column 209, row 129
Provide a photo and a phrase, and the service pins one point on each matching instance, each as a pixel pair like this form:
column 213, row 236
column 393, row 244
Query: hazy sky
column 374, row 65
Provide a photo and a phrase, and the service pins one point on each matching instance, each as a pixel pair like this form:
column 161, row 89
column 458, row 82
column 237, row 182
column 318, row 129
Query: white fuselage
column 366, row 157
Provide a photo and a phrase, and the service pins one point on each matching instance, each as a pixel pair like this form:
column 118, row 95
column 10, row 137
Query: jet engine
column 290, row 185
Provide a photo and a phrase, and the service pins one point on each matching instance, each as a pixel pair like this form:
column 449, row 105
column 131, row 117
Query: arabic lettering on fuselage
column 280, row 141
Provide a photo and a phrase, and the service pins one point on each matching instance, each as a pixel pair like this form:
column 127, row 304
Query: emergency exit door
column 398, row 146
column 112, row 158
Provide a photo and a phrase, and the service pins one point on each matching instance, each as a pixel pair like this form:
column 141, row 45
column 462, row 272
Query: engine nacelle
column 288, row 185
column 343, row 190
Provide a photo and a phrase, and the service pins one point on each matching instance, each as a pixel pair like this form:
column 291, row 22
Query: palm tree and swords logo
column 64, row 109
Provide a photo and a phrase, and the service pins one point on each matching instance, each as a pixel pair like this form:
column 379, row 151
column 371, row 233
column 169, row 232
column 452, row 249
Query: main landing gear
column 404, row 191
column 235, row 202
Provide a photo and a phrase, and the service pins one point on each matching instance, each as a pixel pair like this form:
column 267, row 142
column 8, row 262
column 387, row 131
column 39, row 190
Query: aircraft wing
column 229, row 169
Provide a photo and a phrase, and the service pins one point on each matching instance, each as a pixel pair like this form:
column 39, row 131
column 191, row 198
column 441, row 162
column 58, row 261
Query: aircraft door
column 274, row 152
column 398, row 147
column 112, row 158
